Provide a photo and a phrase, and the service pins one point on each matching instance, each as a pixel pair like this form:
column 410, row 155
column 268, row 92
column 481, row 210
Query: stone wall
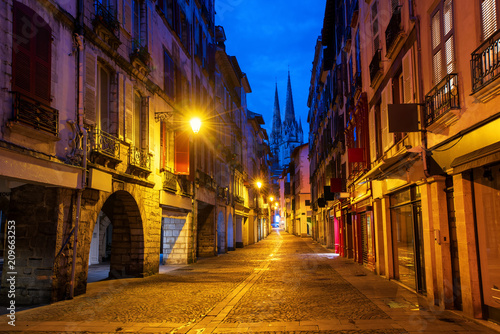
column 35, row 211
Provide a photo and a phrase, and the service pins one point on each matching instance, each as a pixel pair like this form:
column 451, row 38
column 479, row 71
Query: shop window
column 408, row 245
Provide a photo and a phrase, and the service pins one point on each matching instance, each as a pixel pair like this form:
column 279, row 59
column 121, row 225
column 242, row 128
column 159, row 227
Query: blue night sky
column 267, row 37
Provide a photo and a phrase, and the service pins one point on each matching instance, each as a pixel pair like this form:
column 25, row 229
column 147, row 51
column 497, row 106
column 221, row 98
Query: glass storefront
column 406, row 220
column 487, row 197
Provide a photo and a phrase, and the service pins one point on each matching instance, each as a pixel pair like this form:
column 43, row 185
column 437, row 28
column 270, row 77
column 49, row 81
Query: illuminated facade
column 403, row 151
column 96, row 143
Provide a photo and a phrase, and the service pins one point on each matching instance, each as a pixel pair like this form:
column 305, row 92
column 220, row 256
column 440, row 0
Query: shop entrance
column 408, row 246
column 486, row 198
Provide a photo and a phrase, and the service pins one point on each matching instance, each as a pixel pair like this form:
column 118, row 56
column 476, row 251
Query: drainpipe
column 79, row 40
column 416, row 19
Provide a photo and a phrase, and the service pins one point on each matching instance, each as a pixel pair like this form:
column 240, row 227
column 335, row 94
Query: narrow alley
column 282, row 284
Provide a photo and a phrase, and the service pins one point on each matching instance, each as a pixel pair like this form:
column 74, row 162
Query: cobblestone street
column 282, row 284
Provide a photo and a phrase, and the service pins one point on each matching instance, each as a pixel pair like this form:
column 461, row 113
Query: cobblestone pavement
column 283, row 284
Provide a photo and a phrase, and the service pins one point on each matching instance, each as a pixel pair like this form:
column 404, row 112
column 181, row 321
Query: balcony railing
column 485, row 62
column 33, row 113
column 169, row 181
column 442, row 98
column 140, row 52
column 393, row 30
column 206, row 180
column 185, row 185
column 106, row 16
column 140, row 158
column 375, row 68
column 103, row 143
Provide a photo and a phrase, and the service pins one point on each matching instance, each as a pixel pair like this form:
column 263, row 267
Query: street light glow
column 271, row 198
column 259, row 184
column 195, row 124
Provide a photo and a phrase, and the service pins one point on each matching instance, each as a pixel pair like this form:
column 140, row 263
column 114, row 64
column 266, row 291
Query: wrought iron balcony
column 375, row 69
column 140, row 159
column 185, row 185
column 106, row 16
column 34, row 113
column 442, row 98
column 103, row 144
column 485, row 62
column 169, row 181
column 394, row 31
column 206, row 180
column 140, row 54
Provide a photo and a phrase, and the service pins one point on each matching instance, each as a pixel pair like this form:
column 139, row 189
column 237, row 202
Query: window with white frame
column 443, row 48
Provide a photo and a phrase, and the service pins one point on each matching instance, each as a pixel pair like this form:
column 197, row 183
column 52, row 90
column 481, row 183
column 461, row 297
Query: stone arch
column 127, row 240
column 230, row 234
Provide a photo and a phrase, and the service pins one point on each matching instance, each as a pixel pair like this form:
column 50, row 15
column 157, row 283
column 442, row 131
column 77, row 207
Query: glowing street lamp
column 195, row 124
column 259, row 184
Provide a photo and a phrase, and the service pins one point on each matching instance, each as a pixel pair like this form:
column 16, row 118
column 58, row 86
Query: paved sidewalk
column 283, row 284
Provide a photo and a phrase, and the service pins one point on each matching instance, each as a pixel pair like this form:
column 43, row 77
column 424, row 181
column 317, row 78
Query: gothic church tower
column 287, row 135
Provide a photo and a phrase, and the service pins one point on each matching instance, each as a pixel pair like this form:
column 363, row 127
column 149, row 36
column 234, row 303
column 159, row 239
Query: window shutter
column 373, row 135
column 488, row 17
column 129, row 111
column 90, row 87
column 21, row 52
column 181, row 153
column 436, row 29
column 387, row 138
column 31, row 58
column 127, row 15
column 121, row 104
column 407, row 78
column 42, row 63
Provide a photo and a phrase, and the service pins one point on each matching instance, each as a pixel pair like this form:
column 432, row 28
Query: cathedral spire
column 289, row 110
column 276, row 130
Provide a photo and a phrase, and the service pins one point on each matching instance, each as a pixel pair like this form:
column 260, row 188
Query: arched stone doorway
column 123, row 242
column 221, row 234
column 230, row 234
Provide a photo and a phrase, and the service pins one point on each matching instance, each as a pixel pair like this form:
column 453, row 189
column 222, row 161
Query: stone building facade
column 98, row 161
column 413, row 87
